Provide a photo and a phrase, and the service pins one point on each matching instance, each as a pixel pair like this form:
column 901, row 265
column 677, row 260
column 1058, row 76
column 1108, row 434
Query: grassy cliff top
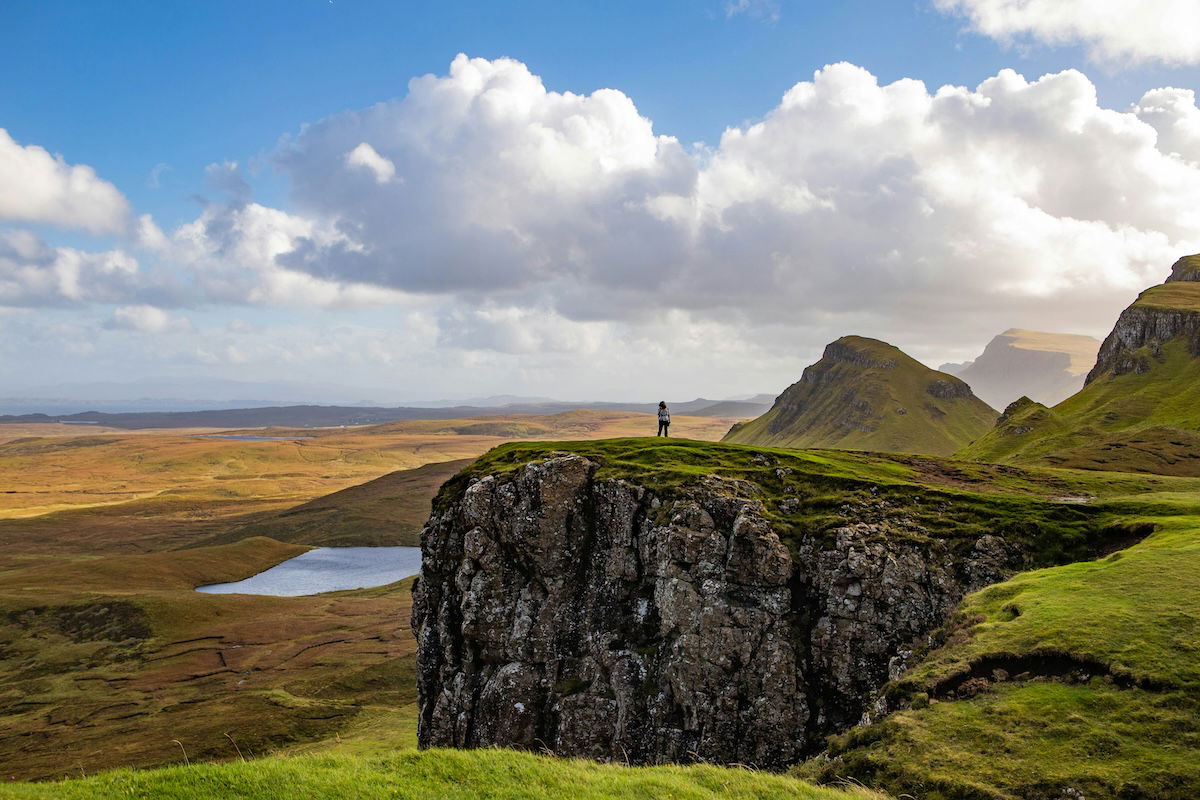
column 1079, row 348
column 807, row 492
column 1173, row 296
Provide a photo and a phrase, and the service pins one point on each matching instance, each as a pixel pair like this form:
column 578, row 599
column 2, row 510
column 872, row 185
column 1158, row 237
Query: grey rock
column 600, row 619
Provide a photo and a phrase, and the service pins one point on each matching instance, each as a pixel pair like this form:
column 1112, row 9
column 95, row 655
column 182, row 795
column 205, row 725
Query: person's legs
column 661, row 427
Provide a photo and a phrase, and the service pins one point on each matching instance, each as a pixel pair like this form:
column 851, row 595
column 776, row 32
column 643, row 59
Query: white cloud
column 851, row 206
column 233, row 256
column 1120, row 31
column 146, row 319
column 36, row 186
column 1174, row 116
column 554, row 243
column 365, row 157
column 33, row 273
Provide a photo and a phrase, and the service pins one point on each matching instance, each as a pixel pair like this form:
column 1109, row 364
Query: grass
column 868, row 395
column 103, row 662
column 816, row 491
column 128, row 492
column 1175, row 296
column 1125, row 725
column 390, row 510
column 105, row 658
column 433, row 774
column 1138, row 423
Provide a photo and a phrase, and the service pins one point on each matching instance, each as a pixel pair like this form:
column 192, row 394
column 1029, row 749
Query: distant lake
column 328, row 569
column 254, row 438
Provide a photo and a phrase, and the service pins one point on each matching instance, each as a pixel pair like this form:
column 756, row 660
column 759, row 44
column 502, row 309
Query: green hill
column 865, row 394
column 1140, row 408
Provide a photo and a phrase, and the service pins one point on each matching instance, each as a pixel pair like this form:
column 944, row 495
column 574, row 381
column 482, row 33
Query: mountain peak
column 865, row 394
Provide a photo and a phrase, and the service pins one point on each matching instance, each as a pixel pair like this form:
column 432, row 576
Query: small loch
column 328, row 569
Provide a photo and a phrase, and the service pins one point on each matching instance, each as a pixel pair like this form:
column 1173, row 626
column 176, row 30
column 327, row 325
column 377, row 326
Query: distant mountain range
column 314, row 416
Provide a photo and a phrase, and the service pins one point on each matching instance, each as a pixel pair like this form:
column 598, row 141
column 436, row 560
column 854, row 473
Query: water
column 255, row 438
column 328, row 569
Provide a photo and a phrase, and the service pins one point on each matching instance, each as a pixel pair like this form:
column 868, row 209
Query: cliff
column 1140, row 408
column 650, row 603
column 865, row 394
column 1046, row 367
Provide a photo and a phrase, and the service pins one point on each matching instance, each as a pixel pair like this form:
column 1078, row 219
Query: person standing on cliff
column 664, row 418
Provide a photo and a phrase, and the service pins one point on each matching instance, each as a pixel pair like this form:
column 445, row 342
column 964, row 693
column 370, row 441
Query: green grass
column 432, row 775
column 813, row 492
column 1135, row 614
column 1133, row 422
column 868, row 395
column 1176, row 296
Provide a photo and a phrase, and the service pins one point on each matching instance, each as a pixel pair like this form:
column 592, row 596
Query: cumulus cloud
column 559, row 235
column 886, row 209
column 1174, row 116
column 506, row 185
column 36, row 186
column 32, row 273
column 233, row 255
column 1121, row 31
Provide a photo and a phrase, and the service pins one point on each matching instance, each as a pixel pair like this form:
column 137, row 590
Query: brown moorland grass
column 130, row 492
column 108, row 655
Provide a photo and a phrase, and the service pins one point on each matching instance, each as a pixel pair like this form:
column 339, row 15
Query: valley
column 108, row 657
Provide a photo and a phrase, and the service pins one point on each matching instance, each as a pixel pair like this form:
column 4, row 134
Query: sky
column 610, row 200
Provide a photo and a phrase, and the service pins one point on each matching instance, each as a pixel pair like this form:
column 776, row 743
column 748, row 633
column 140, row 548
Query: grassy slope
column 903, row 416
column 1143, row 423
column 104, row 661
column 386, row 511
column 1125, row 725
column 441, row 774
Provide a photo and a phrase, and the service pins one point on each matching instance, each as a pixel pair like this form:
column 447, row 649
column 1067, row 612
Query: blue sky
column 150, row 95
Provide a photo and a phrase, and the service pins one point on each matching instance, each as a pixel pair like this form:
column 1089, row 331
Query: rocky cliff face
column 1160, row 314
column 603, row 619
